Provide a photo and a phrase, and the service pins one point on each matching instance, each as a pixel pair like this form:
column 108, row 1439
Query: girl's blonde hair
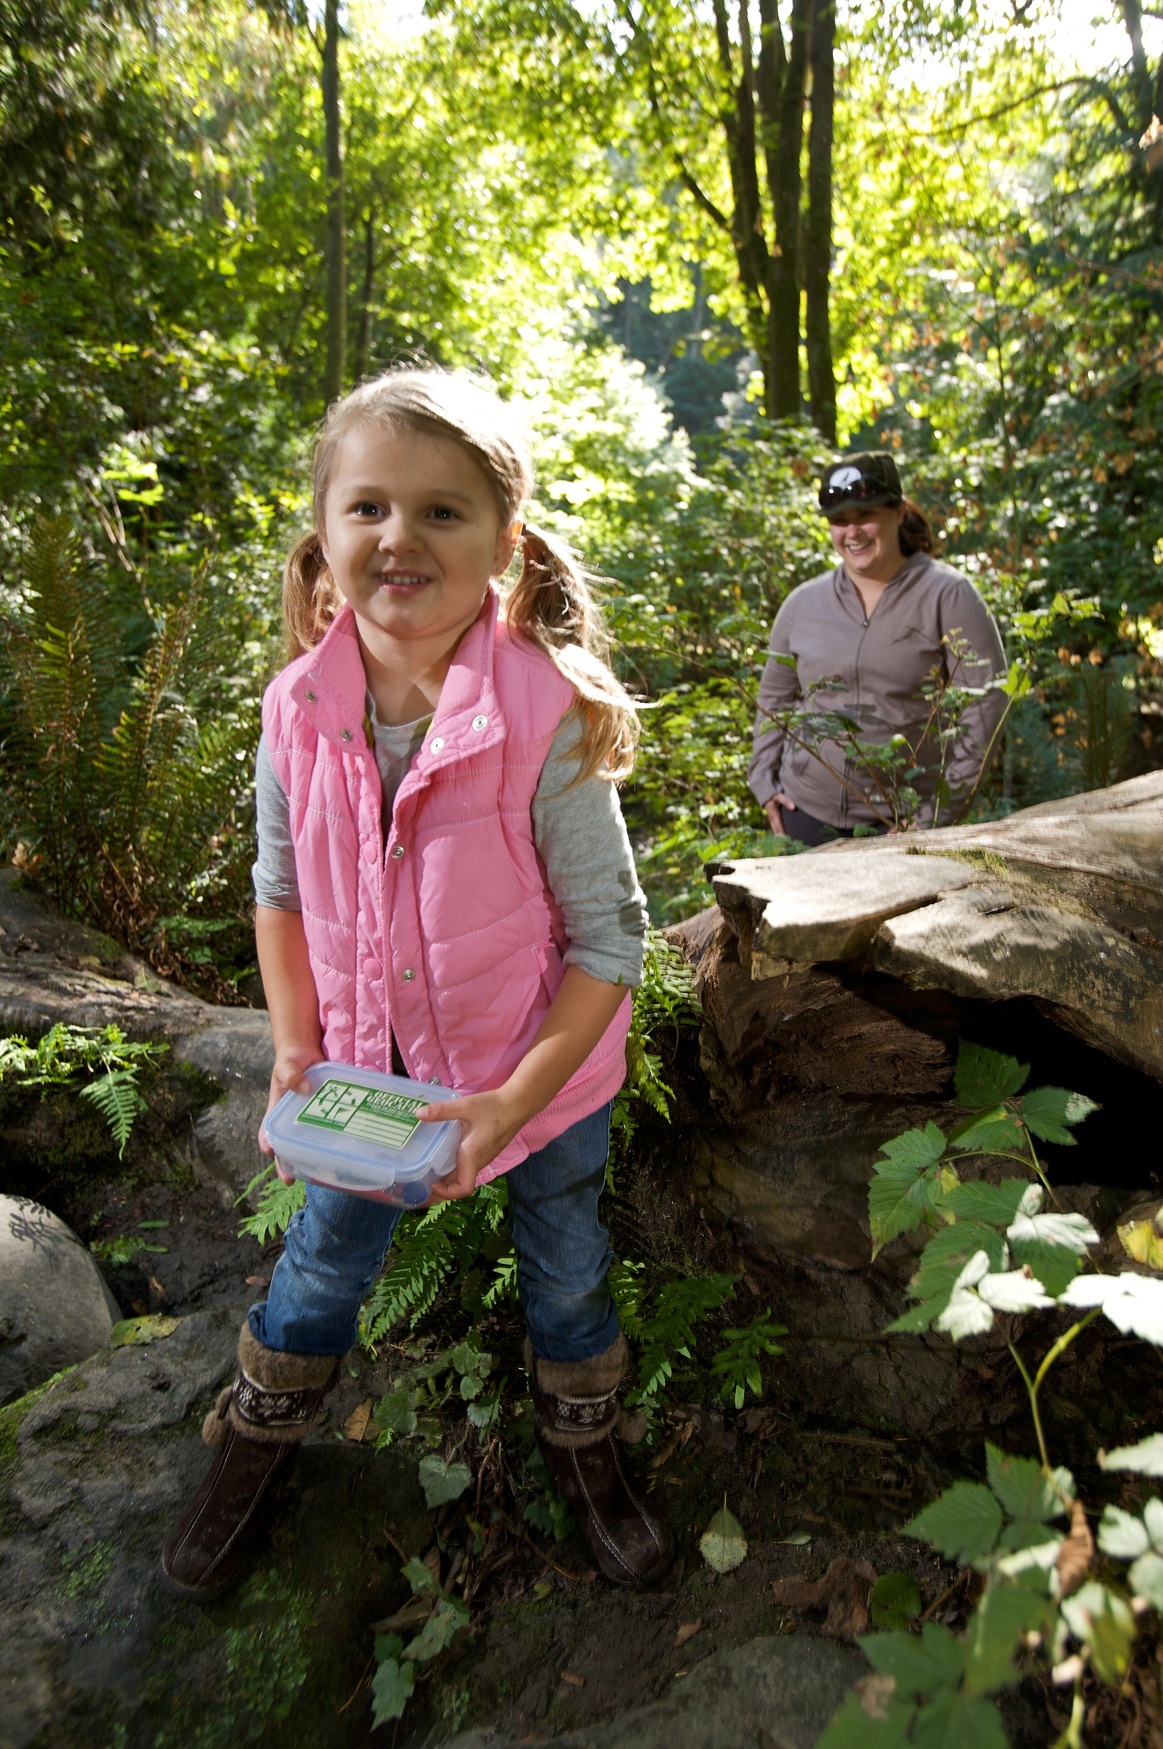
column 551, row 603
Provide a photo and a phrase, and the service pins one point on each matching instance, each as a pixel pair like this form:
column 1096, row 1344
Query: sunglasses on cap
column 861, row 490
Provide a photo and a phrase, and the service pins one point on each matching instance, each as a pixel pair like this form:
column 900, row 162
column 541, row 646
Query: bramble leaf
column 1145, row 1459
column 963, row 1523
column 919, row 1149
column 1005, row 1613
column 1050, row 1112
column 959, row 1721
column 869, row 1720
column 983, row 1077
column 1146, row 1578
column 1028, row 1495
column 921, row 1664
column 1122, row 1535
column 988, row 1132
column 996, row 1204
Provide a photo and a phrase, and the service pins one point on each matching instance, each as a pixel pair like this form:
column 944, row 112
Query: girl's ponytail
column 552, row 605
column 310, row 601
column 915, row 534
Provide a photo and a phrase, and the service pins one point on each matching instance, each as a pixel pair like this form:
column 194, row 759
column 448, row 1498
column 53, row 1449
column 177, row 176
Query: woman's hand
column 489, row 1122
column 774, row 811
column 288, row 1076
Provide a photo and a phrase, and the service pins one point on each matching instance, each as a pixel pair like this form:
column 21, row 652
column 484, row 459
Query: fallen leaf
column 687, row 1631
column 723, row 1545
column 843, row 1592
column 258, row 1281
column 157, row 1288
column 133, row 1332
column 799, row 1539
column 356, row 1424
column 1143, row 1240
column 413, row 1615
column 574, row 1681
column 1076, row 1553
column 754, row 1420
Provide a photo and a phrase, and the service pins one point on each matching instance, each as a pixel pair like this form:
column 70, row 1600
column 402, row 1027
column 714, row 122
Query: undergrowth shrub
column 128, row 721
column 1048, row 1600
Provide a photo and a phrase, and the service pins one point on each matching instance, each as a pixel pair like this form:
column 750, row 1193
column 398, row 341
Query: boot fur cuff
column 276, row 1397
column 577, row 1400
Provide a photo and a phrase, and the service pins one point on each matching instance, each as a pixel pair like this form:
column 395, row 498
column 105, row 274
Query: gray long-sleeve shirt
column 882, row 664
column 577, row 827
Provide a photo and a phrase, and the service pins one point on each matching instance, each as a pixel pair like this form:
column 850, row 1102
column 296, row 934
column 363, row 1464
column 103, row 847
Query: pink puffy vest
column 441, row 927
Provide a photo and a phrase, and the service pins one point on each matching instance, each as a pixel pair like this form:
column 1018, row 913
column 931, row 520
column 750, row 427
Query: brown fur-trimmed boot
column 577, row 1415
column 257, row 1426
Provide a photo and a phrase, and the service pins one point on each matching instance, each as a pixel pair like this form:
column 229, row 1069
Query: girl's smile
column 412, row 536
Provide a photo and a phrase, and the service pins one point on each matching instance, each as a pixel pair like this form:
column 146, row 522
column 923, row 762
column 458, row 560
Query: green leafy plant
column 125, row 1247
column 667, row 1331
column 665, row 999
column 462, row 1373
column 276, row 1204
column 1024, row 1529
column 737, row 1364
column 395, row 1679
column 100, row 1062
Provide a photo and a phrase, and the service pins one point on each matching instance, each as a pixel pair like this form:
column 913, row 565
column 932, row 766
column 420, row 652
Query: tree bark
column 818, row 226
column 336, row 245
column 786, row 126
column 363, row 338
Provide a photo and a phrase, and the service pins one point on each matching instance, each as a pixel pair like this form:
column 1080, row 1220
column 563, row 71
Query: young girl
column 445, row 889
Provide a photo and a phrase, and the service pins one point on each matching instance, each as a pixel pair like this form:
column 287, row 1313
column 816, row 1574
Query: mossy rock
column 93, row 1467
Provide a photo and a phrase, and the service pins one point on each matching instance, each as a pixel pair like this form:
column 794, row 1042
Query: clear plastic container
column 357, row 1131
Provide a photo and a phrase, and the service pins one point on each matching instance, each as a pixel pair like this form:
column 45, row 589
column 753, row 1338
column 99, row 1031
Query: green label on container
column 371, row 1113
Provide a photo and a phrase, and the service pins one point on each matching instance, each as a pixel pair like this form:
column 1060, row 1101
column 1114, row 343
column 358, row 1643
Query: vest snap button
column 435, row 745
column 480, row 722
column 409, row 975
column 345, row 734
column 310, row 697
column 397, row 852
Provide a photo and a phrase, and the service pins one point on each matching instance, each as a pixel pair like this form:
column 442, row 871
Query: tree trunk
column 784, row 189
column 336, row 249
column 363, row 338
column 818, row 227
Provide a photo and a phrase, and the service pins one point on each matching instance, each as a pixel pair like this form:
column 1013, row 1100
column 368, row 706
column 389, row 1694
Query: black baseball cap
column 867, row 479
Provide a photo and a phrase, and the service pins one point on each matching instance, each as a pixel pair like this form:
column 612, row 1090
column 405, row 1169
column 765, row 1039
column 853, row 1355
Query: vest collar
column 331, row 689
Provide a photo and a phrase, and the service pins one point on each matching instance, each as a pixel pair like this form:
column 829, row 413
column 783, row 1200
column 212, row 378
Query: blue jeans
column 336, row 1245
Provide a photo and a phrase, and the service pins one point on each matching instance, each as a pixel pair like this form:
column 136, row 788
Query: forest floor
column 553, row 1648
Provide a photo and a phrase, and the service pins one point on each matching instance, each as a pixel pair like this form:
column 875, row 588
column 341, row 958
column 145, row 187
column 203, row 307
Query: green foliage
column 442, row 1481
column 430, row 1247
column 1040, row 1596
column 664, row 1001
column 277, row 1202
column 918, row 1185
column 127, row 739
column 737, row 1364
column 667, row 1331
column 894, row 1601
column 66, row 1055
column 458, row 1374
column 123, row 1249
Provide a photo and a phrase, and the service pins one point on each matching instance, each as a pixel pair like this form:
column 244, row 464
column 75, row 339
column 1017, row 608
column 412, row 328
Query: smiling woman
column 858, row 658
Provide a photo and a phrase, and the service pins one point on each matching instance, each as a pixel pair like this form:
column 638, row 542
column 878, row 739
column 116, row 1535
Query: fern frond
column 277, row 1203
column 116, row 1097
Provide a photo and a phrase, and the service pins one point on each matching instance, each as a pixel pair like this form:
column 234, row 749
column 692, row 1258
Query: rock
column 789, row 912
column 1062, row 903
column 53, row 970
column 776, row 1692
column 55, row 1308
column 93, row 1469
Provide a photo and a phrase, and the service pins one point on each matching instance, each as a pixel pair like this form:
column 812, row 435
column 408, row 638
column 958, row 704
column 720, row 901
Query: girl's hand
column 490, row 1121
column 287, row 1076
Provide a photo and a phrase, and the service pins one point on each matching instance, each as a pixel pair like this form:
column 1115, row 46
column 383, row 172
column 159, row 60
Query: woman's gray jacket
column 929, row 618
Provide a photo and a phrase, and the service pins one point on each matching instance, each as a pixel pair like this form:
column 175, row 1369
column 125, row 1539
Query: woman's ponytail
column 915, row 534
column 310, row 601
column 552, row 605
